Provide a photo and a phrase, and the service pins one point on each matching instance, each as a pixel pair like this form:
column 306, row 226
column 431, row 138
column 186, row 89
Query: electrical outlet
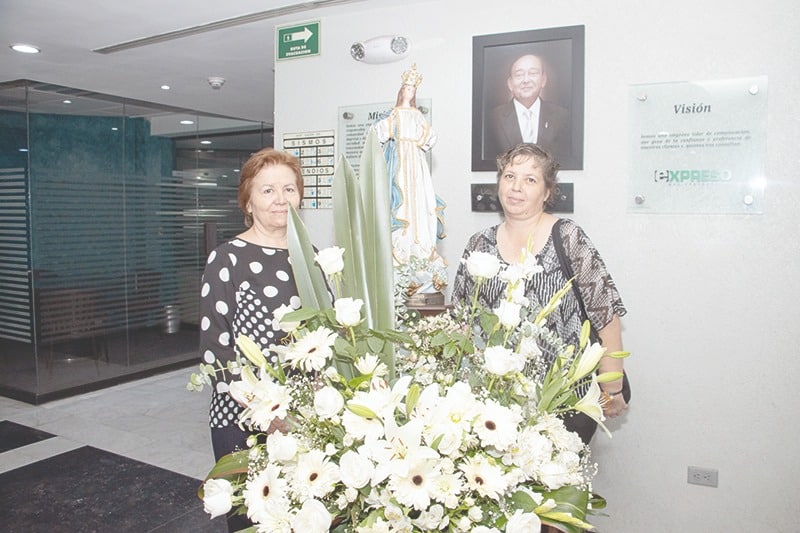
column 703, row 476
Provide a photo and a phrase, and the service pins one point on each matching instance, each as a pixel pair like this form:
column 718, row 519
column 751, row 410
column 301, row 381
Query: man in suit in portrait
column 526, row 117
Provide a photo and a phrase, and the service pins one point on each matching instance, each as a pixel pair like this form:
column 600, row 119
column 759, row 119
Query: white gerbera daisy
column 484, row 477
column 496, row 425
column 311, row 353
column 315, row 475
column 414, row 484
column 265, row 494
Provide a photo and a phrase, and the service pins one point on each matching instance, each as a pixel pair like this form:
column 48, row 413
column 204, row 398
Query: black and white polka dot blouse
column 242, row 285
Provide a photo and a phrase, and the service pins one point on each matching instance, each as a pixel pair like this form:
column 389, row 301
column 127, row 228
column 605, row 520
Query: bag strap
column 566, row 268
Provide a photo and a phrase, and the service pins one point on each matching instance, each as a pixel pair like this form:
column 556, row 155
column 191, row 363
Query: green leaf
column 311, row 286
column 300, row 315
column 522, row 500
column 363, row 228
column 348, row 215
column 374, row 181
column 569, row 513
column 231, row 466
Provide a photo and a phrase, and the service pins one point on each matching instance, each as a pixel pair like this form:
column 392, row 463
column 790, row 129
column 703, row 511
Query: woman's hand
column 613, row 404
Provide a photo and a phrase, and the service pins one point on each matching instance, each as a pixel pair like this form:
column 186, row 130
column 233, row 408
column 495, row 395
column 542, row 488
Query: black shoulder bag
column 579, row 422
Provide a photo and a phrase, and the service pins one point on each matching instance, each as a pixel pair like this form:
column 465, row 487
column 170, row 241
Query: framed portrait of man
column 527, row 86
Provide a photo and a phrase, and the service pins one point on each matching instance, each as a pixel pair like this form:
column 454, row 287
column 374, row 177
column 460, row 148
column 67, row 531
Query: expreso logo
column 692, row 176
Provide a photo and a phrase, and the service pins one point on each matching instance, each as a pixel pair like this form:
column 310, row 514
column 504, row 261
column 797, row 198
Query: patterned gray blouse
column 595, row 284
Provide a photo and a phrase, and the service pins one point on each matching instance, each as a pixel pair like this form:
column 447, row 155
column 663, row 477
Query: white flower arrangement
column 462, row 440
column 435, row 426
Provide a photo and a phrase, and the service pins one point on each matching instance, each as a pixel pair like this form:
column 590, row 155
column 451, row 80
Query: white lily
column 586, row 362
column 590, row 405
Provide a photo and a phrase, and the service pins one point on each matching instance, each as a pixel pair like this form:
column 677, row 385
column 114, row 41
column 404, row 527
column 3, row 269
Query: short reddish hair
column 266, row 157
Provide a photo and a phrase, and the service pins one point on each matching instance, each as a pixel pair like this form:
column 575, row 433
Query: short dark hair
column 544, row 160
column 266, row 157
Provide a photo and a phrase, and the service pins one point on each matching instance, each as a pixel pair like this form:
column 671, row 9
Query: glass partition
column 108, row 208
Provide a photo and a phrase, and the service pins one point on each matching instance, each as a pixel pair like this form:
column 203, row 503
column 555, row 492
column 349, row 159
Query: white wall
column 713, row 316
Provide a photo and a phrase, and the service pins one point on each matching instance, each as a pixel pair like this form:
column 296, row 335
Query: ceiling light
column 187, row 122
column 383, row 49
column 25, row 48
column 165, row 87
column 205, row 142
column 67, row 101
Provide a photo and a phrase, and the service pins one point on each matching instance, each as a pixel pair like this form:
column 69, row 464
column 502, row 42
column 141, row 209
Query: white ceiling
column 68, row 31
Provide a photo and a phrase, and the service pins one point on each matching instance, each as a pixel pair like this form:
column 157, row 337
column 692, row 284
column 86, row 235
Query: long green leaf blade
column 348, row 214
column 375, row 185
column 311, row 285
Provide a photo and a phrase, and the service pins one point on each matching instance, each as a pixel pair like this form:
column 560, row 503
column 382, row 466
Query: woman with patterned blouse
column 526, row 182
column 245, row 281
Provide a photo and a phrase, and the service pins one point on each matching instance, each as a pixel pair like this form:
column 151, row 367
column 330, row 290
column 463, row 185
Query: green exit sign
column 298, row 40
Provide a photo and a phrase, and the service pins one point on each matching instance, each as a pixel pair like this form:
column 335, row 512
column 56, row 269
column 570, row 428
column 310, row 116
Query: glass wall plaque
column 698, row 147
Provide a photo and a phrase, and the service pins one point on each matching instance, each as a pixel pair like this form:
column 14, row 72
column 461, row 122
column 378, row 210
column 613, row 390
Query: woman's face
column 407, row 92
column 272, row 190
column 522, row 189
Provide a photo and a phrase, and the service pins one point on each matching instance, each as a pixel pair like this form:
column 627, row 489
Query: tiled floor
column 154, row 421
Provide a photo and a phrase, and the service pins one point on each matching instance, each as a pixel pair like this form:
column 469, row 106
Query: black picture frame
column 485, row 200
column 562, row 51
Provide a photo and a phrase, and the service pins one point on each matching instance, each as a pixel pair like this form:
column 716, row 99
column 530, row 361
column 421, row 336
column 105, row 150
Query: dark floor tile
column 13, row 435
column 196, row 521
column 91, row 490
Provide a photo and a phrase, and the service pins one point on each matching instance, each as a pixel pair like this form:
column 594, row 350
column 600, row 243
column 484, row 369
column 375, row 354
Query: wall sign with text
column 316, row 151
column 698, row 147
column 297, row 40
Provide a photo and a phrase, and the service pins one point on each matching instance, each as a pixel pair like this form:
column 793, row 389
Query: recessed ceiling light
column 23, row 149
column 25, row 48
column 114, row 128
column 205, row 142
column 67, row 101
column 165, row 87
column 187, row 122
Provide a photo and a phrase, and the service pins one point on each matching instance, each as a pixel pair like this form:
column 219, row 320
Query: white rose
column 313, row 517
column 508, row 313
column 512, row 274
column 217, row 495
column 355, row 469
column 500, row 360
column 279, row 313
column 528, row 348
column 281, row 447
column 483, row 265
column 328, row 402
column 554, row 475
column 348, row 311
column 522, row 522
column 330, row 260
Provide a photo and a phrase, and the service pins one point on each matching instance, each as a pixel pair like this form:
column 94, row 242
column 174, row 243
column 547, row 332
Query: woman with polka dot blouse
column 246, row 280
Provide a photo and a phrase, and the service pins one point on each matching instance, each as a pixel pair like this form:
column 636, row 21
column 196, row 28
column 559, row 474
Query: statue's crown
column 412, row 77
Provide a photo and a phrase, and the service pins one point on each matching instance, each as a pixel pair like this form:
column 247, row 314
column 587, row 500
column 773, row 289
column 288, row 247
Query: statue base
column 425, row 300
